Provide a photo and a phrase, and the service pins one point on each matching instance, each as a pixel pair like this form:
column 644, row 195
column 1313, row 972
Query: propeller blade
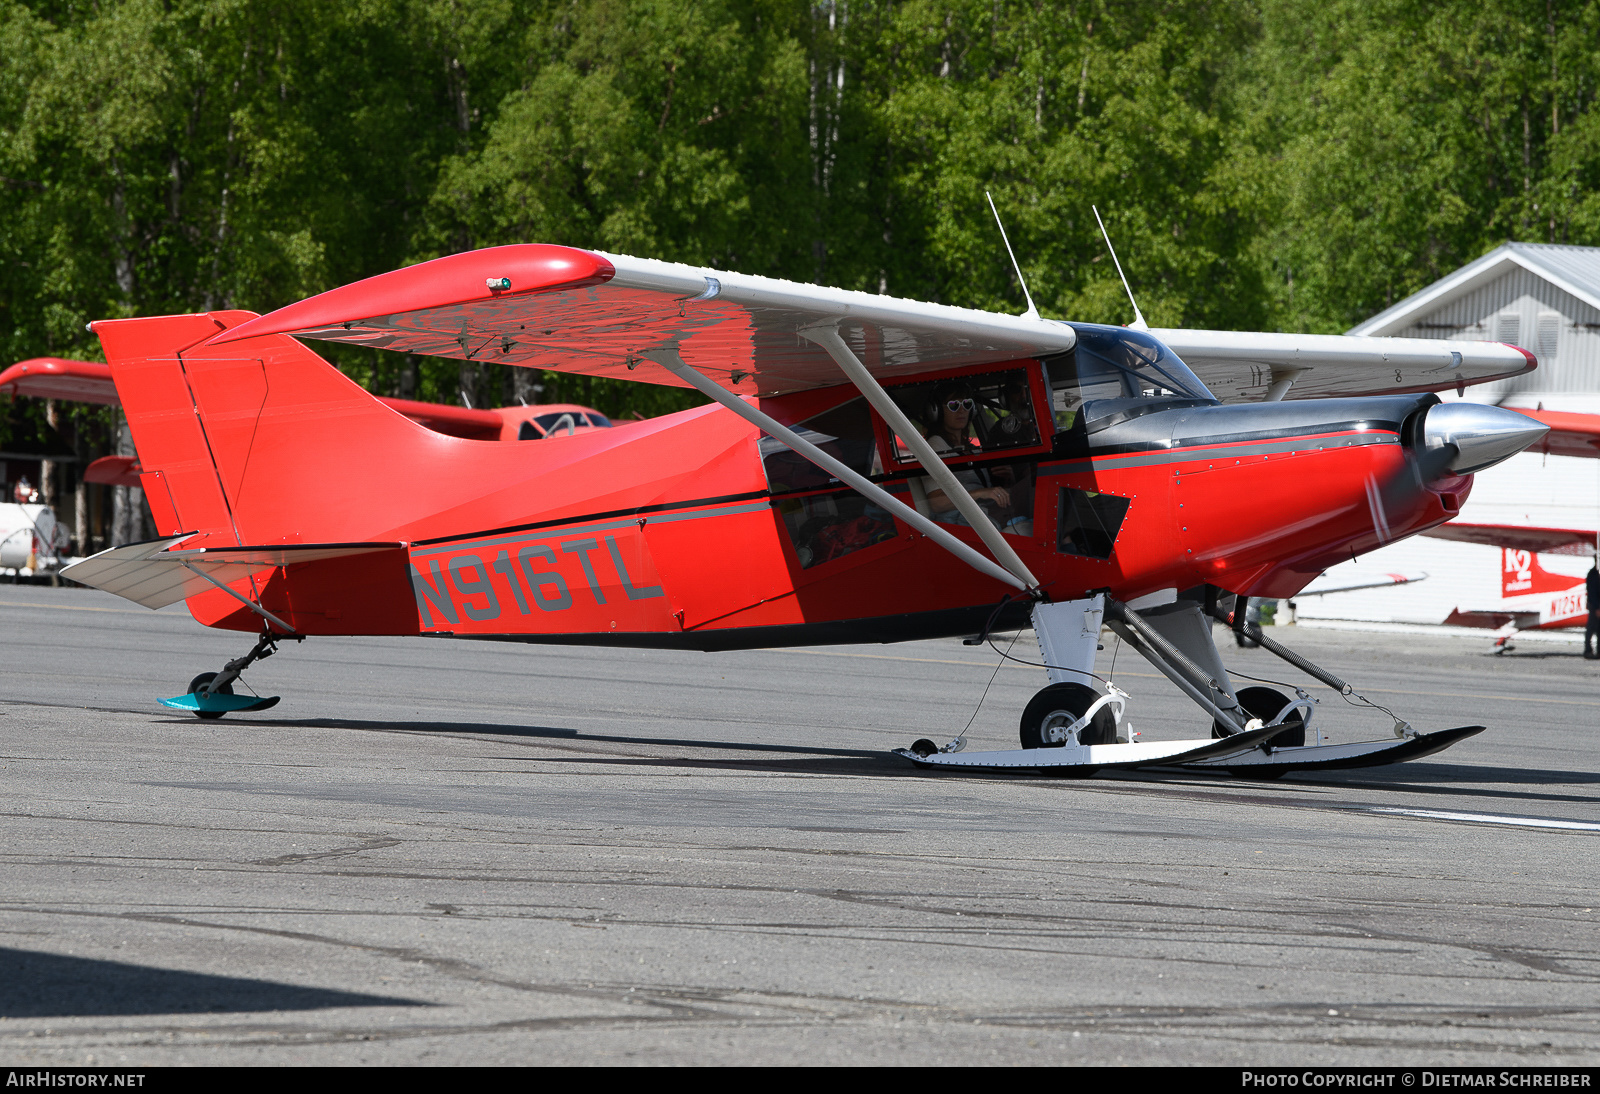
column 1393, row 500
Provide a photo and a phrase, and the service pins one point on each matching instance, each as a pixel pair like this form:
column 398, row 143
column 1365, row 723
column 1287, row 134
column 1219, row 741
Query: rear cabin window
column 824, row 522
column 564, row 422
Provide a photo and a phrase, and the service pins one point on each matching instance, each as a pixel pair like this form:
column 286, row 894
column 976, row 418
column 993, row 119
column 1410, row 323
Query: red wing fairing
column 1570, row 434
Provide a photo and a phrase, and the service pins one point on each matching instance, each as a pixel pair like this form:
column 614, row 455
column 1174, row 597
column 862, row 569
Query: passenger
column 1592, row 630
column 952, row 435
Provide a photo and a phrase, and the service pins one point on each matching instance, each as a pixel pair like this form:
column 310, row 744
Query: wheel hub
column 1056, row 727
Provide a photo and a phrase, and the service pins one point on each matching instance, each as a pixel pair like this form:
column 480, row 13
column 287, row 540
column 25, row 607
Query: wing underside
column 1552, row 541
column 611, row 315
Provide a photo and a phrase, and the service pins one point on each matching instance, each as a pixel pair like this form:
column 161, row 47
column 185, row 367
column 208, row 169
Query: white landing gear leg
column 1070, row 709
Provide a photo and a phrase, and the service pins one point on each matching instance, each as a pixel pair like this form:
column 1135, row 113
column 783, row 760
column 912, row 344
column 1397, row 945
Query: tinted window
column 974, row 414
column 845, row 433
column 1090, row 522
column 827, row 526
column 563, row 422
column 1117, row 363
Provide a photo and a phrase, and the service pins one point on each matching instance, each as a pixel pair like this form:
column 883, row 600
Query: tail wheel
column 201, row 681
column 1052, row 710
column 1266, row 703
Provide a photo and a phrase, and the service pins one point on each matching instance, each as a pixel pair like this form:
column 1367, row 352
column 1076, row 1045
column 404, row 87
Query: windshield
column 1118, row 363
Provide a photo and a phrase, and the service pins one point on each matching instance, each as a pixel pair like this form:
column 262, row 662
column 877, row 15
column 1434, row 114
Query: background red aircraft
column 872, row 469
column 1533, row 598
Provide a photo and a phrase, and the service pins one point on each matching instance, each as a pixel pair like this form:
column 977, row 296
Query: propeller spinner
column 1456, row 439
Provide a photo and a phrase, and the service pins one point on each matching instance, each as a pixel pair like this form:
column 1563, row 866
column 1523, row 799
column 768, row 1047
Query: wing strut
column 828, row 338
column 668, row 358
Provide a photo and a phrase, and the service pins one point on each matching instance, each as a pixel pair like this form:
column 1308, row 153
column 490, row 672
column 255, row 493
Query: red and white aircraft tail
column 1532, row 598
column 1558, row 599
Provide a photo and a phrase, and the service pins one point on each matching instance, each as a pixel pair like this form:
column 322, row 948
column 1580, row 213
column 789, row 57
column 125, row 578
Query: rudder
column 259, row 441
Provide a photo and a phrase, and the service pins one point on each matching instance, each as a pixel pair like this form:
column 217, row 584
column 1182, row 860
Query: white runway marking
column 1490, row 818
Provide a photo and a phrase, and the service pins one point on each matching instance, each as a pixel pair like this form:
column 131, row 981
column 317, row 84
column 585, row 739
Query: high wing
column 603, row 315
column 1241, row 366
column 1570, row 434
column 60, row 378
column 600, row 314
column 1555, row 541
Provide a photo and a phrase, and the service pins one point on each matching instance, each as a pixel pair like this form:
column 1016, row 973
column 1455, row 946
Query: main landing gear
column 211, row 694
column 1077, row 725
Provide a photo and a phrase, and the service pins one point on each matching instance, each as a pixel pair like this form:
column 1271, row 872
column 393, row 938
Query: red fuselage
column 669, row 533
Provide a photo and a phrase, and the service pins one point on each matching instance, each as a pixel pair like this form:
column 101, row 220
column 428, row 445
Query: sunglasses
column 960, row 404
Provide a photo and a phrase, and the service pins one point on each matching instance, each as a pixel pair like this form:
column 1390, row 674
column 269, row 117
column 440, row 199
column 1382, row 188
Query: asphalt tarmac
column 453, row 852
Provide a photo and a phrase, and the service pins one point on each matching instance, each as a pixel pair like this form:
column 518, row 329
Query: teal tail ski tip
column 220, row 704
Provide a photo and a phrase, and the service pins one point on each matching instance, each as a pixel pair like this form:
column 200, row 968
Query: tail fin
column 262, row 441
column 1521, row 574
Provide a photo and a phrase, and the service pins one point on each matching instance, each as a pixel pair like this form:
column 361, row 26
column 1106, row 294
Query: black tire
column 1265, row 703
column 201, row 681
column 924, row 747
column 1070, row 701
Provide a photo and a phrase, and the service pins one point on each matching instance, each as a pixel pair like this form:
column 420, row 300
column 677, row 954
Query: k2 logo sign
column 1519, row 570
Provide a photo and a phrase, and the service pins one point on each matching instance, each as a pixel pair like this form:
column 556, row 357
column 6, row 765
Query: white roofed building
column 1544, row 298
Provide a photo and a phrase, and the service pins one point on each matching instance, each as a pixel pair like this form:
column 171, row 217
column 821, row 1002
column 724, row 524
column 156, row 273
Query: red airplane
column 870, row 470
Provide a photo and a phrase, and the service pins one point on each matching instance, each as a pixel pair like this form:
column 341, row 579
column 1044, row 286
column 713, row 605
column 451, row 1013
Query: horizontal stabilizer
column 60, row 378
column 152, row 574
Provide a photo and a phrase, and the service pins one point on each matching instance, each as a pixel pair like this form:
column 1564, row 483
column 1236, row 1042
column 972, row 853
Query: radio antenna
column 1032, row 312
column 1138, row 316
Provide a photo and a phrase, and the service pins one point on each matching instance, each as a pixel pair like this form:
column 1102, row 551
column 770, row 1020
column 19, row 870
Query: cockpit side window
column 974, row 415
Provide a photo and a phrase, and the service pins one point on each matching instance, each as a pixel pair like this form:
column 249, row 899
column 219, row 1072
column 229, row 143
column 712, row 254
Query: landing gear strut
column 211, row 694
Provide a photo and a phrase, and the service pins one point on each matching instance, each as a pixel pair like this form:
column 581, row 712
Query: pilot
column 1592, row 630
column 1011, row 422
column 951, row 434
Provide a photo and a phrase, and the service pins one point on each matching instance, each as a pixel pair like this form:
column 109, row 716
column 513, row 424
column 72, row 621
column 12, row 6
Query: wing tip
column 464, row 278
